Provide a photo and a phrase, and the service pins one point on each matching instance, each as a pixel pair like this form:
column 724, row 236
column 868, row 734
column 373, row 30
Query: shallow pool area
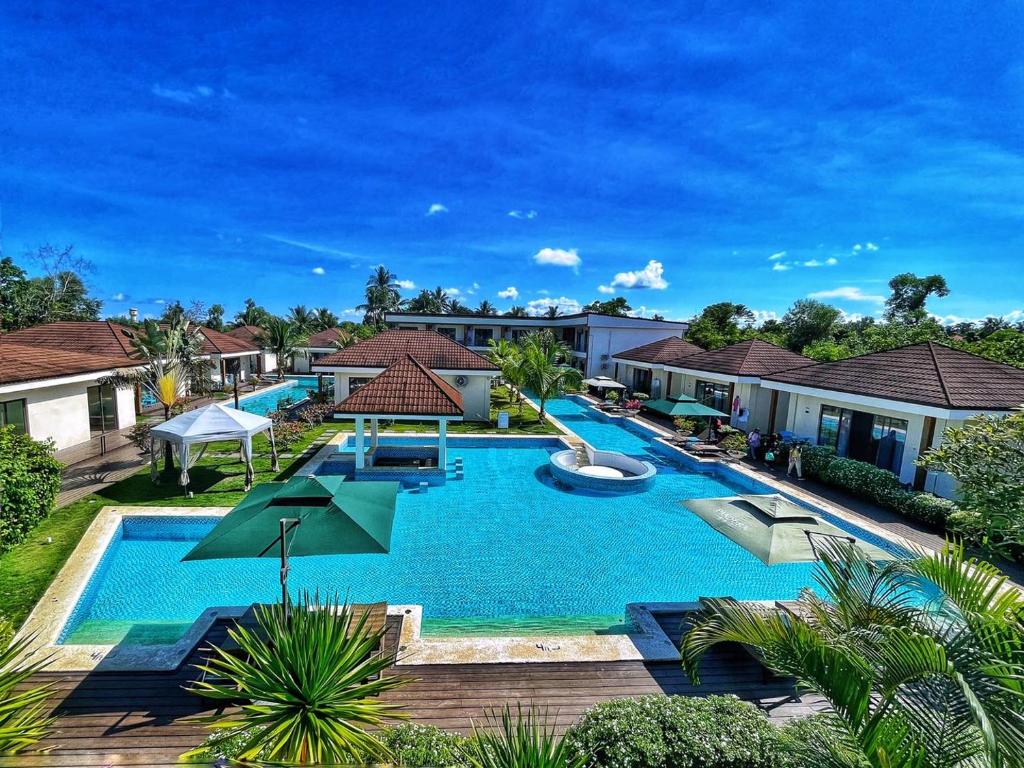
column 503, row 549
column 293, row 390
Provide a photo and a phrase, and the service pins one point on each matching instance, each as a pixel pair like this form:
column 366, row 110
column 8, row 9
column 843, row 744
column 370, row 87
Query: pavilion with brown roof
column 407, row 389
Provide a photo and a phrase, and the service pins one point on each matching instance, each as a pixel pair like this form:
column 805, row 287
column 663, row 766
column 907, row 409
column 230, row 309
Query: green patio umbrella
column 685, row 407
column 305, row 516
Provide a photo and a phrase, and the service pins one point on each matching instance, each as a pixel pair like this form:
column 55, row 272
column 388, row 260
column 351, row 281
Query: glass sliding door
column 102, row 409
column 868, row 437
column 713, row 395
column 12, row 414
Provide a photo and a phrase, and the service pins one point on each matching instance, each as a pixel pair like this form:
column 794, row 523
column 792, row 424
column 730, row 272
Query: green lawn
column 216, row 481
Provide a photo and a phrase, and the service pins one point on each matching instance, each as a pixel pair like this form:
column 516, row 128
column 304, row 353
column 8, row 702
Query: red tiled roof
column 19, row 362
column 745, row 358
column 249, row 333
column 324, row 339
column 96, row 337
column 218, row 343
column 925, row 374
column 431, row 348
column 660, row 351
column 406, row 388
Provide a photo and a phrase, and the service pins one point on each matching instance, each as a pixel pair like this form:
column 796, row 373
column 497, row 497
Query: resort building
column 592, row 337
column 642, row 368
column 318, row 345
column 463, row 369
column 230, row 356
column 266, row 361
column 55, row 394
column 887, row 408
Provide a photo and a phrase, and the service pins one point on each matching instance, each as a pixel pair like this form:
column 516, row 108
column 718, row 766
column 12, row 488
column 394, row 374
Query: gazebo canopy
column 207, row 425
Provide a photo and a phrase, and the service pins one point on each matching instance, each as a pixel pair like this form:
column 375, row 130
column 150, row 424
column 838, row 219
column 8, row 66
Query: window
column 713, row 395
column 481, row 336
column 102, row 409
column 888, row 436
column 642, row 380
column 12, row 414
column 356, row 382
column 828, row 425
column 863, row 436
column 449, row 332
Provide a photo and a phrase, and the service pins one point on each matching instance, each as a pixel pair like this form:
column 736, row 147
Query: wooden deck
column 139, row 719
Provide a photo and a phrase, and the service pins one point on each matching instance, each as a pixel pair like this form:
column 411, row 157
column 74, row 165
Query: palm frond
column 23, row 719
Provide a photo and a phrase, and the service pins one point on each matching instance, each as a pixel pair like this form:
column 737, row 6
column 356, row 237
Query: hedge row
column 875, row 484
column 29, row 484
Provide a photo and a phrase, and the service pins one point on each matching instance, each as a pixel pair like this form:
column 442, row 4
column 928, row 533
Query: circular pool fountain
column 601, row 470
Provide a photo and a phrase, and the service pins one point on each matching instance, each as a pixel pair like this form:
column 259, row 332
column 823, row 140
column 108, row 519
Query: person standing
column 794, row 462
column 753, row 444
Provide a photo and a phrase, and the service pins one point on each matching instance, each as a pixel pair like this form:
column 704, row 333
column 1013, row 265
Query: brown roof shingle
column 925, row 374
column 406, row 388
column 19, row 362
column 432, row 349
column 745, row 358
column 660, row 351
column 218, row 343
column 96, row 337
column 249, row 333
column 324, row 339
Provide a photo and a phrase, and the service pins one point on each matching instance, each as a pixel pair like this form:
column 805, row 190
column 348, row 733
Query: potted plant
column 633, row 406
column 612, row 396
column 684, row 425
column 735, row 444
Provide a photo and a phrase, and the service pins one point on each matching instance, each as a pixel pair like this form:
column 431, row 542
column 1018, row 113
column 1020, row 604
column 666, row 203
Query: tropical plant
column 382, row 296
column 543, row 367
column 215, row 317
column 253, row 314
column 435, row 302
column 523, row 740
column 309, row 683
column 324, row 319
column 456, row 307
column 685, row 424
column 921, row 662
column 517, row 310
column 617, row 306
column 284, row 339
column 509, row 359
column 303, row 320
column 22, row 720
column 30, row 480
column 552, row 311
column 486, row 308
column 425, row 746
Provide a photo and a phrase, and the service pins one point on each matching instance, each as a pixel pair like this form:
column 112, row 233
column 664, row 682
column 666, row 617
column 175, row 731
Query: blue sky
column 570, row 151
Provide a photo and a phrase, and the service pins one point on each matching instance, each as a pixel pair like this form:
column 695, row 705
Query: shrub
column 29, row 484
column 815, row 460
column 677, row 732
column 316, row 413
column 287, row 433
column 138, row 435
column 685, row 424
column 425, row 746
column 929, row 508
column 736, row 442
column 866, row 480
column 803, row 738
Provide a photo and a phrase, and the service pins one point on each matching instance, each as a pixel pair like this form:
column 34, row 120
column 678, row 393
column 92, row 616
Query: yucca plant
column 522, row 740
column 921, row 661
column 307, row 688
column 22, row 719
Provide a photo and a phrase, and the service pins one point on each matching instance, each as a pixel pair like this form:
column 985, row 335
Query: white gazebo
column 409, row 391
column 207, row 425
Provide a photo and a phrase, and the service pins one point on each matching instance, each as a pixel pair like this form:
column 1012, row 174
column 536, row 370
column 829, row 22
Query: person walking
column 794, row 462
column 753, row 444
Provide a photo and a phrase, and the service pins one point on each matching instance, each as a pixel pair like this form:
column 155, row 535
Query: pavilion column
column 442, row 443
column 360, row 450
column 373, row 434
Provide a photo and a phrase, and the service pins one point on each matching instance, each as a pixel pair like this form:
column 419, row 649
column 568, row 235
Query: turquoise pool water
column 265, row 402
column 502, row 547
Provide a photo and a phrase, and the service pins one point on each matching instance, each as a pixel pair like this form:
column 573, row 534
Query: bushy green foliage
column 929, row 508
column 425, row 746
column 29, row 484
column 864, row 480
column 815, row 460
column 677, row 732
column 822, row 730
column 138, row 435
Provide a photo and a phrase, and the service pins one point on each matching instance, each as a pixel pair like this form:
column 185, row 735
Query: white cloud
column 871, row 246
column 1013, row 316
column 523, row 214
column 831, row 261
column 406, row 285
column 857, row 248
column 847, row 292
column 182, row 96
column 760, row 315
column 651, row 276
column 565, row 305
column 453, row 291
column 204, row 90
column 159, row 301
column 436, row 208
column 868, row 246
column 777, row 256
column 812, row 263
column 780, row 267
column 117, row 296
column 509, row 293
column 319, row 271
column 558, row 257
column 308, row 246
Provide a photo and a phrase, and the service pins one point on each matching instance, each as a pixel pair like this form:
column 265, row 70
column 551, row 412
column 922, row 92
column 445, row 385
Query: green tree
column 253, row 314
column 906, row 303
column 807, row 322
column 435, row 302
column 456, row 307
column 30, row 478
column 718, row 325
column 310, row 686
column 552, row 312
column 517, row 310
column 60, row 293
column 1004, row 346
column 215, row 317
column 544, row 368
column 986, row 457
column 302, row 319
column 909, row 684
column 617, row 306
column 13, row 285
column 283, row 338
column 382, row 296
column 324, row 319
column 486, row 308
column 509, row 359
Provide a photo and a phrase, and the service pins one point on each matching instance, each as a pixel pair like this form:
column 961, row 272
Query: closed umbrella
column 305, row 516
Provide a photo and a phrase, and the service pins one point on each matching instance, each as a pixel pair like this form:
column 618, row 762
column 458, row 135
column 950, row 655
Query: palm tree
column 456, row 307
column 908, row 683
column 509, row 359
column 544, row 370
column 551, row 311
column 301, row 318
column 486, row 308
column 283, row 338
column 308, row 687
column 382, row 295
column 521, row 741
column 253, row 314
column 517, row 310
column 324, row 319
column 22, row 719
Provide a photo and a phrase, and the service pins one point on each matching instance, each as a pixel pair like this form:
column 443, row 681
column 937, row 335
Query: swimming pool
column 263, row 403
column 504, row 547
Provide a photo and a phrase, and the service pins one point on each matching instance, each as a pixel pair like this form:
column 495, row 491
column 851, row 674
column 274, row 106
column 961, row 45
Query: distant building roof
column 97, row 337
column 406, row 388
column 430, row 348
column 325, row 339
column 431, row 317
column 219, row 343
column 745, row 358
column 660, row 351
column 250, row 333
column 925, row 374
column 22, row 363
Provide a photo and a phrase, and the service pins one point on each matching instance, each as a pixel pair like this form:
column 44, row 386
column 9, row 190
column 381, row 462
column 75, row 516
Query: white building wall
column 605, row 342
column 476, row 397
column 61, row 412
